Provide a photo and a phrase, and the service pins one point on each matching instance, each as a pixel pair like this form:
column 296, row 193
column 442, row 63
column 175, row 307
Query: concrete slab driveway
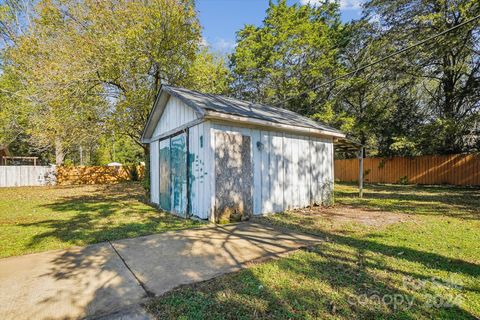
column 101, row 279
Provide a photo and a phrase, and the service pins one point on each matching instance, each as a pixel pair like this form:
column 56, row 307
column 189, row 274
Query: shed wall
column 289, row 171
column 176, row 113
column 200, row 170
column 154, row 173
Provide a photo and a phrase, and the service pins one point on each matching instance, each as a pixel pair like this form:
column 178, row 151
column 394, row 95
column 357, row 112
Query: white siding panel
column 201, row 174
column 304, row 167
column 327, row 187
column 267, row 203
column 154, row 173
column 321, row 162
column 195, row 167
column 276, row 171
column 295, row 173
column 210, row 162
column 315, row 167
column 288, row 174
column 175, row 114
column 257, row 172
column 322, row 174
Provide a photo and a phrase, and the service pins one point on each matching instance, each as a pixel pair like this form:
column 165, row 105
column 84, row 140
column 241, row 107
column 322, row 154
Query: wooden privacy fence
column 20, row 176
column 98, row 174
column 458, row 169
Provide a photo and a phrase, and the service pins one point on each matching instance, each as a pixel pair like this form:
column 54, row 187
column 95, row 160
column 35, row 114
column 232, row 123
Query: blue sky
column 222, row 18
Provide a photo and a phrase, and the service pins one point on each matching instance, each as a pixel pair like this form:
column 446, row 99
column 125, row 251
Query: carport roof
column 346, row 145
column 209, row 104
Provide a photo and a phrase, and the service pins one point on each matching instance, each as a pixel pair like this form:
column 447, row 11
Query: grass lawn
column 402, row 252
column 34, row 219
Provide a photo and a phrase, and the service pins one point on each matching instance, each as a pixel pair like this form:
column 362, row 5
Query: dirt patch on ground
column 341, row 215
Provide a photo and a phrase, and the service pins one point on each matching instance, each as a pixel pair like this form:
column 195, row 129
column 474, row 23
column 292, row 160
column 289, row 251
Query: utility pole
column 360, row 173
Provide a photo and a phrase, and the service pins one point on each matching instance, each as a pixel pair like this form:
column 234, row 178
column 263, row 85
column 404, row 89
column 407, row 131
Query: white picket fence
column 19, row 176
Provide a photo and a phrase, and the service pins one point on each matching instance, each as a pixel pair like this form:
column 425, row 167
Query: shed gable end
column 175, row 115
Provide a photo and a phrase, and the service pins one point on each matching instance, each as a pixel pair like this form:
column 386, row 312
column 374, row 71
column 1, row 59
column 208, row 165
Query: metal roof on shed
column 244, row 108
column 206, row 104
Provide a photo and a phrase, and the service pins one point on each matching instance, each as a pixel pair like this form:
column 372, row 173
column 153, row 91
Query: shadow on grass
column 111, row 212
column 337, row 278
column 334, row 279
column 457, row 202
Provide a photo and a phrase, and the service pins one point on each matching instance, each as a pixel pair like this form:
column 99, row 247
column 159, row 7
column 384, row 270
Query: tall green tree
column 447, row 70
column 294, row 49
column 363, row 101
column 375, row 106
column 61, row 113
column 87, row 67
column 137, row 47
column 12, row 113
column 208, row 73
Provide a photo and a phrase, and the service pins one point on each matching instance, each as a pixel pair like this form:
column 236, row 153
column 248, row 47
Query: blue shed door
column 165, row 175
column 173, row 174
column 178, row 160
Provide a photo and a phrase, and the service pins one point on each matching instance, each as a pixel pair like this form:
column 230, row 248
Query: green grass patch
column 34, row 219
column 424, row 267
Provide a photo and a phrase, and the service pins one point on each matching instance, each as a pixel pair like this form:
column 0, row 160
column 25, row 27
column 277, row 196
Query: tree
column 295, row 49
column 87, row 67
column 422, row 102
column 15, row 19
column 59, row 114
column 138, row 46
column 12, row 115
column 447, row 70
column 113, row 148
column 375, row 106
column 208, row 73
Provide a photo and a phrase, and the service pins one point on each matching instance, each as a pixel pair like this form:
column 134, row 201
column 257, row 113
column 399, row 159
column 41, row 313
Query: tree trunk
column 59, row 154
column 451, row 142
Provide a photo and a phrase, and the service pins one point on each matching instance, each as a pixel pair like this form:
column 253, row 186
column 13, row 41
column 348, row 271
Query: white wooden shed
column 223, row 159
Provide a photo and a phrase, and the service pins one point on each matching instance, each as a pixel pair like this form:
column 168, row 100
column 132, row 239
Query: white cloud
column 204, row 42
column 344, row 4
column 223, row 45
column 219, row 45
